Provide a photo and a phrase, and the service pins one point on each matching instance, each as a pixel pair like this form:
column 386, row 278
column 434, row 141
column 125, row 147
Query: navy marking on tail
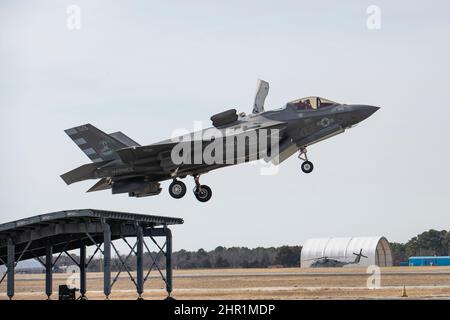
column 96, row 144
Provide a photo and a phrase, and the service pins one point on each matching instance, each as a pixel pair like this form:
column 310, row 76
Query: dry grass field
column 286, row 283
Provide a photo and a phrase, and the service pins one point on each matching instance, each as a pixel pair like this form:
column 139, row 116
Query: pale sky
column 149, row 67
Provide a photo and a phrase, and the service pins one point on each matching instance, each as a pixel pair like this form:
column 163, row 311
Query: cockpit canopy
column 310, row 103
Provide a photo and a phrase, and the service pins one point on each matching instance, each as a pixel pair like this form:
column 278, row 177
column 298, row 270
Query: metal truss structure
column 61, row 232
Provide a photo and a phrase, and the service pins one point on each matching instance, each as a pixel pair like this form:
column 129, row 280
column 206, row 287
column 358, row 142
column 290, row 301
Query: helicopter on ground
column 333, row 262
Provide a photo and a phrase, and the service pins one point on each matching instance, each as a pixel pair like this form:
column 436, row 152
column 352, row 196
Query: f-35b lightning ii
column 124, row 166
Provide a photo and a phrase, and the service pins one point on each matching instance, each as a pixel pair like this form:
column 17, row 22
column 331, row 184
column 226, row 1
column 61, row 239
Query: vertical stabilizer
column 95, row 144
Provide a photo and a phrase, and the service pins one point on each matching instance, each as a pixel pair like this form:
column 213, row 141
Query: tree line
column 220, row 257
column 430, row 242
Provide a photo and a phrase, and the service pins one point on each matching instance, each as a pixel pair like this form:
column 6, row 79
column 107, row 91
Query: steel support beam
column 109, row 230
column 82, row 271
column 10, row 265
column 168, row 261
column 48, row 270
column 106, row 259
column 139, row 260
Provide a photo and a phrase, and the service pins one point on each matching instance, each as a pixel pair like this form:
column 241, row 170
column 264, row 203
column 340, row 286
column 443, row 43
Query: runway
column 289, row 283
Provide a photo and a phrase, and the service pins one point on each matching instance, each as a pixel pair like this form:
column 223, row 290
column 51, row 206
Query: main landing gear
column 177, row 190
column 202, row 192
column 307, row 166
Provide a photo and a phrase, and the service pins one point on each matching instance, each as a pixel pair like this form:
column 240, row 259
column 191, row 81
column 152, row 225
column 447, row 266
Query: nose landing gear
column 202, row 192
column 307, row 166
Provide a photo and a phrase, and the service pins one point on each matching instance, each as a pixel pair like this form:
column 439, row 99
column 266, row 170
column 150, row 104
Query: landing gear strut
column 307, row 166
column 177, row 189
column 202, row 192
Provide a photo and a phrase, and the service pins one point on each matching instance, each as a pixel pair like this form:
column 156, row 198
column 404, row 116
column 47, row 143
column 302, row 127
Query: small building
column 429, row 261
column 376, row 249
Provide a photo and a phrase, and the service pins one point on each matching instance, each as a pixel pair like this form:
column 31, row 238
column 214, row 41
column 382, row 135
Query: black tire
column 307, row 167
column 203, row 193
column 177, row 189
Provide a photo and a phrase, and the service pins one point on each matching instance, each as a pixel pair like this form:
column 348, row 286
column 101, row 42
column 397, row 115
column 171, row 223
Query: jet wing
column 150, row 152
column 160, row 153
column 267, row 125
column 256, row 124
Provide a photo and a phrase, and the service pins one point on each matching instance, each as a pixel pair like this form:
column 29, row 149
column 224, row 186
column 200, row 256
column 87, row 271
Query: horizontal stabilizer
column 81, row 173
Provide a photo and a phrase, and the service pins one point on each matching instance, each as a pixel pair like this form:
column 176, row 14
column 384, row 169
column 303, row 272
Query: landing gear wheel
column 307, row 167
column 203, row 193
column 177, row 189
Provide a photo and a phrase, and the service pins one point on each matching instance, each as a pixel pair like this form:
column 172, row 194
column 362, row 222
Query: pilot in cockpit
column 311, row 103
column 304, row 105
column 308, row 104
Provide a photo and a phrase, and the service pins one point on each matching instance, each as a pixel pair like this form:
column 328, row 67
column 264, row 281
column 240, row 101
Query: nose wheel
column 202, row 192
column 177, row 189
column 307, row 166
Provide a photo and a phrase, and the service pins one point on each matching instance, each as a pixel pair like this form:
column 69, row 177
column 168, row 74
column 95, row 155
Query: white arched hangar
column 376, row 249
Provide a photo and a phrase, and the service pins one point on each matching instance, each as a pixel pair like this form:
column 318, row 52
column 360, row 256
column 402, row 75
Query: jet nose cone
column 362, row 112
column 366, row 111
column 370, row 110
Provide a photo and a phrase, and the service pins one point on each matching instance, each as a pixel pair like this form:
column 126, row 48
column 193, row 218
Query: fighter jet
column 124, row 166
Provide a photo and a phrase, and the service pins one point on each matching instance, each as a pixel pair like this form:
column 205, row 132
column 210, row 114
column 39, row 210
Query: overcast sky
column 149, row 67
